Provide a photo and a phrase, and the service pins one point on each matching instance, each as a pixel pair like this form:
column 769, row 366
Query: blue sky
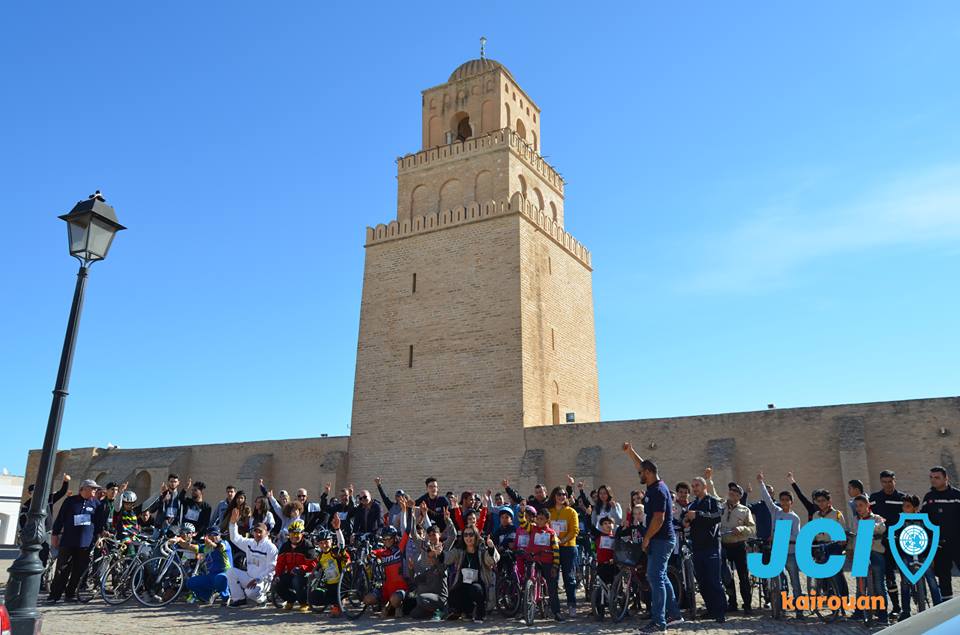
column 771, row 195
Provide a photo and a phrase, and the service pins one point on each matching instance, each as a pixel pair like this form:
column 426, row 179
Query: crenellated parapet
column 476, row 212
column 504, row 137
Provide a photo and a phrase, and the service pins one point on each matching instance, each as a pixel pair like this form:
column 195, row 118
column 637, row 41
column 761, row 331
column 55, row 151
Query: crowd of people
column 442, row 552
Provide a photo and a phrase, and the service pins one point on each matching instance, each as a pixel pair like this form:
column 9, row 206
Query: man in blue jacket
column 74, row 532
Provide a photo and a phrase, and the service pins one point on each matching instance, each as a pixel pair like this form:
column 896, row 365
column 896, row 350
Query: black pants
column 292, row 588
column 890, row 576
column 736, row 553
column 469, row 599
column 71, row 563
column 325, row 595
column 948, row 554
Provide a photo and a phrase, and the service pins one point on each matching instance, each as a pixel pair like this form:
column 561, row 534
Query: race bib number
column 523, row 540
column 81, row 519
column 606, row 542
column 330, row 571
column 193, row 514
column 542, row 539
column 469, row 575
column 171, row 511
column 559, row 526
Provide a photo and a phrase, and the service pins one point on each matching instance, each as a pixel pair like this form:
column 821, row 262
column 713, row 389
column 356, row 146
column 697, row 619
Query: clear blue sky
column 771, row 195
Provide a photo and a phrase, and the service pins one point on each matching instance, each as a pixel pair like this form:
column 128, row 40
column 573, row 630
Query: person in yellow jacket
column 566, row 523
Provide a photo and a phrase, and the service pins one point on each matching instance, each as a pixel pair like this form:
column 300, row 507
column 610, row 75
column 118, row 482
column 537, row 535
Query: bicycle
column 116, row 585
column 363, row 576
column 826, row 586
column 160, row 580
column 508, row 596
column 631, row 580
column 687, row 595
column 918, row 591
column 97, row 567
column 536, row 593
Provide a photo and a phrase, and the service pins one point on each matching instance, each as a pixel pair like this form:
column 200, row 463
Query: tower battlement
column 476, row 145
column 475, row 212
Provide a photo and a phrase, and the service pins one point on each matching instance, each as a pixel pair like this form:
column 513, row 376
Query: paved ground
column 97, row 619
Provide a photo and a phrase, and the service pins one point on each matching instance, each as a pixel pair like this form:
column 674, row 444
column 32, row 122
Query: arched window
column 420, row 202
column 460, row 125
column 451, row 195
column 435, row 132
column 553, row 211
column 483, row 187
column 538, row 197
column 523, row 186
column 536, row 148
column 507, row 118
column 521, row 130
column 488, row 116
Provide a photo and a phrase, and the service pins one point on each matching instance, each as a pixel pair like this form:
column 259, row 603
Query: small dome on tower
column 476, row 67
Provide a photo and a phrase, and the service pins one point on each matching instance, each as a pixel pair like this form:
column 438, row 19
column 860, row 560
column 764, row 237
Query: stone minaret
column 477, row 312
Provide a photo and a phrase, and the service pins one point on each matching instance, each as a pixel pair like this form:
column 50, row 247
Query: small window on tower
column 414, row 283
column 553, row 339
column 410, row 358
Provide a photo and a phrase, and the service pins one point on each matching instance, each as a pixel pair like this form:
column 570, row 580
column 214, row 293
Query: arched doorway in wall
column 141, row 485
column 538, row 198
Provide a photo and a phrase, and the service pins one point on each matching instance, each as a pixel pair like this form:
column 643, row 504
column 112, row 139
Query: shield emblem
column 912, row 542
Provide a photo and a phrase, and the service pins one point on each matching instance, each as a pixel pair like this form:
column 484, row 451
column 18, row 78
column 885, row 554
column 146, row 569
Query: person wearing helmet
column 330, row 563
column 184, row 539
column 125, row 522
column 395, row 585
column 296, row 559
column 217, row 558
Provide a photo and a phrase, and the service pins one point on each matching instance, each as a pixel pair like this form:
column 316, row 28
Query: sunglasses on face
column 291, row 533
column 301, row 495
column 363, row 498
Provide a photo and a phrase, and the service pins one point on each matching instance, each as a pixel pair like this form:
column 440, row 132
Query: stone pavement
column 97, row 619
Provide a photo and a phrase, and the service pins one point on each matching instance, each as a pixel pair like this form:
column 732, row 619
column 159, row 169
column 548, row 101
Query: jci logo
column 913, row 541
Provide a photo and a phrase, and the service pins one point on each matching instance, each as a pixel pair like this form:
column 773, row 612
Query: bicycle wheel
column 158, row 581
column 508, row 596
column 675, row 576
column 597, row 600
column 776, row 600
column 919, row 595
column 827, row 587
column 620, row 593
column 351, row 589
column 689, row 590
column 115, row 585
column 529, row 602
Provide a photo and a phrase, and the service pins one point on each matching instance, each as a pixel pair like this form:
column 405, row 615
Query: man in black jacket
column 367, row 515
column 51, row 501
column 942, row 505
column 74, row 531
column 703, row 519
column 888, row 503
column 195, row 510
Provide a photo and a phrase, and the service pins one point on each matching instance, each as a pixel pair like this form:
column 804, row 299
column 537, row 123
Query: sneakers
column 437, row 615
column 673, row 621
column 335, row 611
column 237, row 603
column 572, row 610
column 288, row 606
column 304, row 608
column 653, row 627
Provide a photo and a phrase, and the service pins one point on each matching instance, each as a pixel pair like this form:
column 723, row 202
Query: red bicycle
column 535, row 593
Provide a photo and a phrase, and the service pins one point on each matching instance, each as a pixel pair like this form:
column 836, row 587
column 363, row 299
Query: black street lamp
column 91, row 226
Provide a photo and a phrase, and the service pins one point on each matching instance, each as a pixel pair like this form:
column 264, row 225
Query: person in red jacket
column 605, row 541
column 297, row 558
column 468, row 503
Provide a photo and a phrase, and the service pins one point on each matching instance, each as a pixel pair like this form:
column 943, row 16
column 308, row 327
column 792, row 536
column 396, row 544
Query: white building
column 11, row 487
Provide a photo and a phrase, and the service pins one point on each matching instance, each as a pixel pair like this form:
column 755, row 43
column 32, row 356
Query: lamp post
column 91, row 226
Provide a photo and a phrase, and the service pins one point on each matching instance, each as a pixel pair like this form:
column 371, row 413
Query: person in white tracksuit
column 253, row 583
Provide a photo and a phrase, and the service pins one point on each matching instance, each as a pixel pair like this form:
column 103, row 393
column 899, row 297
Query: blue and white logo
column 913, row 541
